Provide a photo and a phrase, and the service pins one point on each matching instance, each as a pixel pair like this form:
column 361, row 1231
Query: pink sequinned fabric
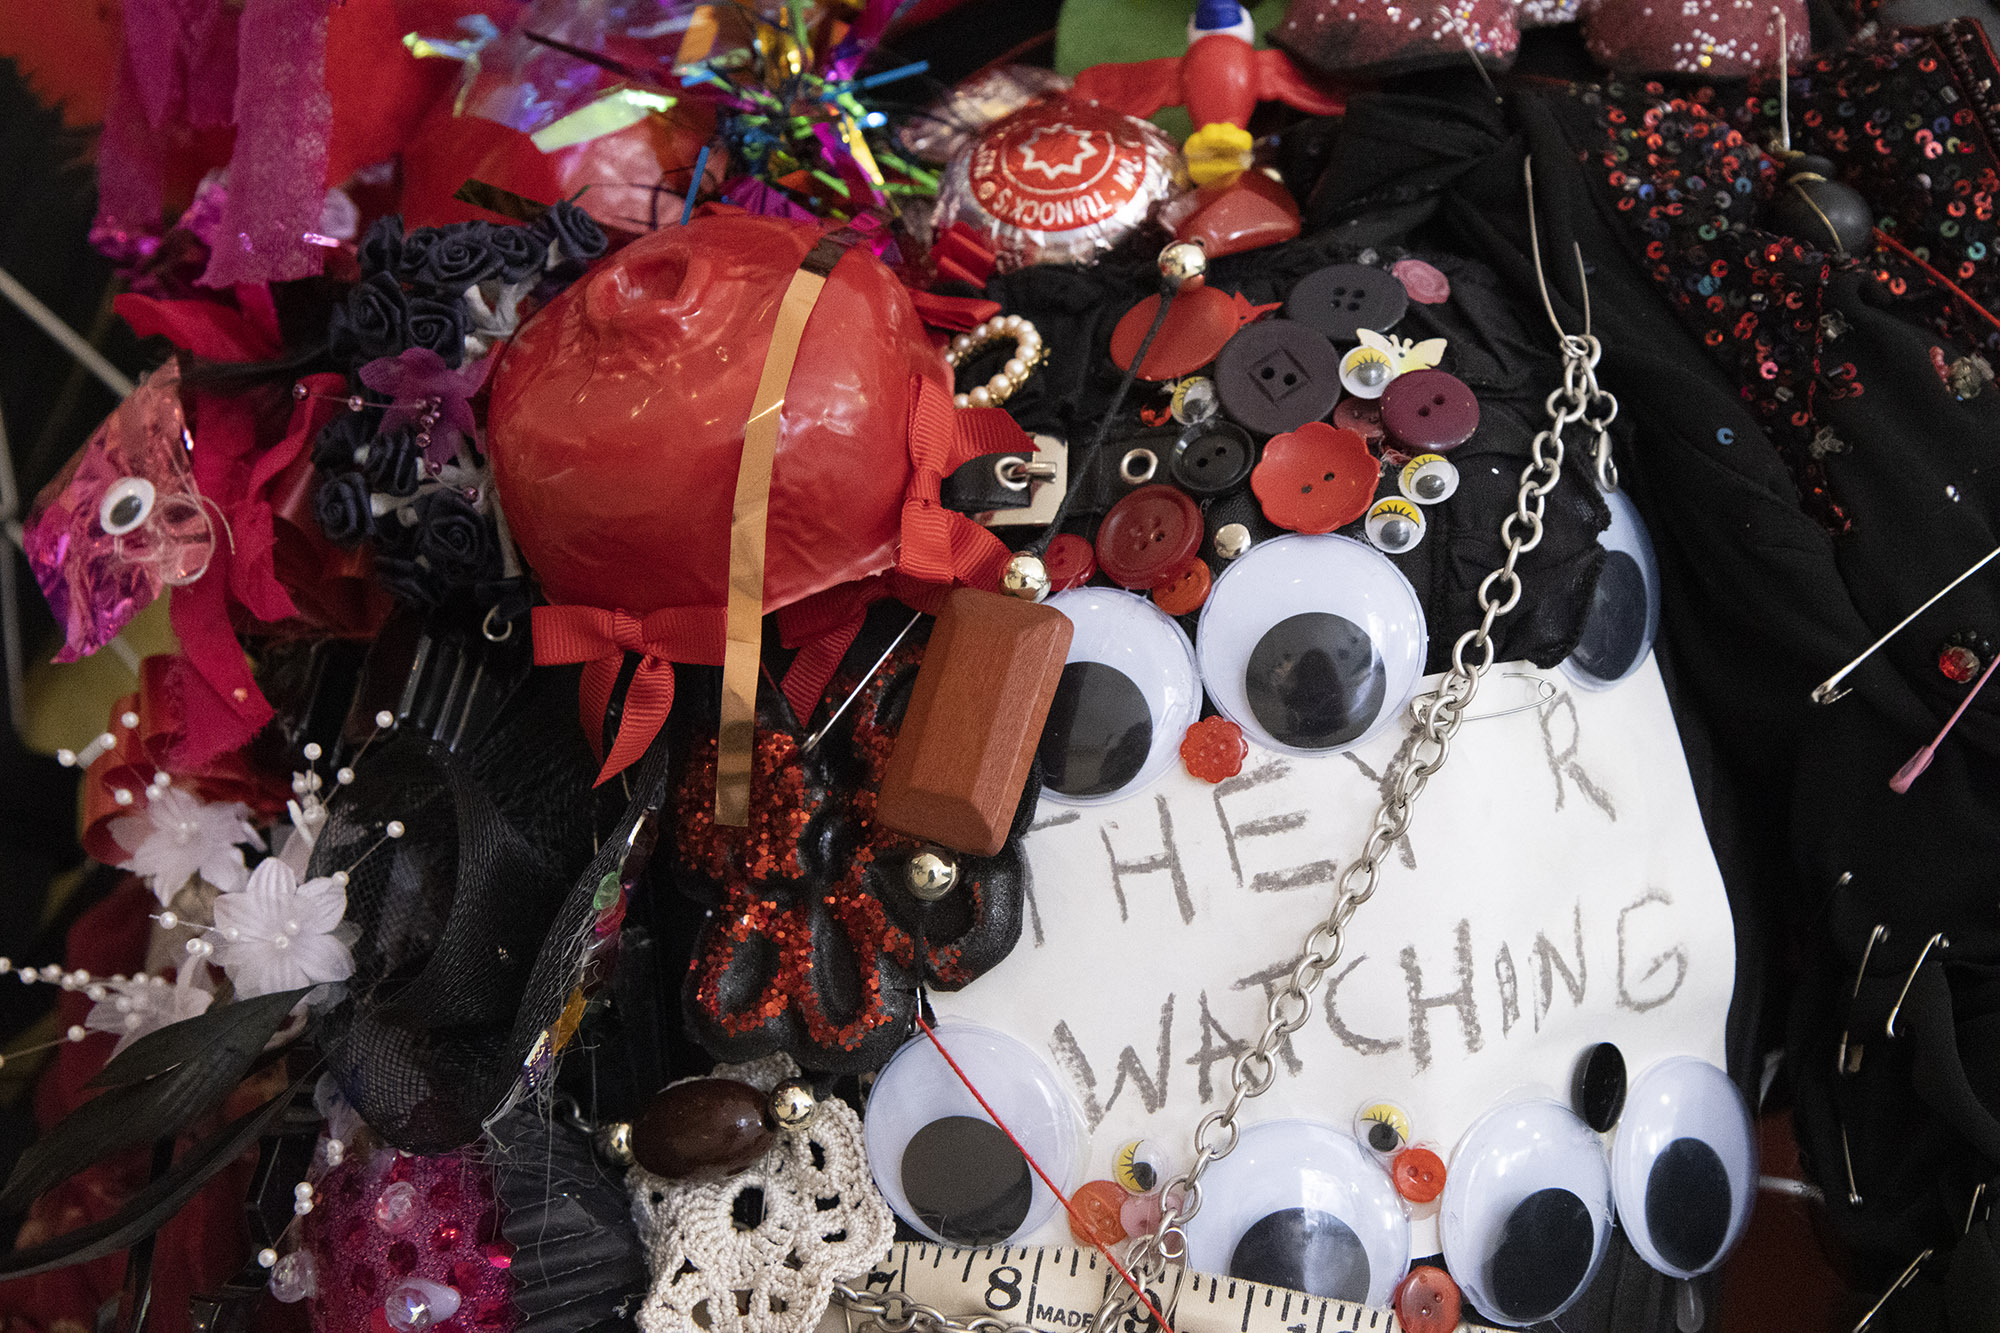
column 362, row 1250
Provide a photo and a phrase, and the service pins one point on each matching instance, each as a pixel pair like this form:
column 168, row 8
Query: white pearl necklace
column 1028, row 353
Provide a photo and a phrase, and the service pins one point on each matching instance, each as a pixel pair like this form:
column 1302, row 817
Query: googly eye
column 1428, row 479
column 1366, row 372
column 1140, row 1166
column 1684, row 1166
column 126, row 505
column 1383, row 1128
column 1127, row 695
column 1299, row 1204
column 1311, row 644
column 1624, row 615
column 1527, row 1211
column 938, row 1158
column 1394, row 525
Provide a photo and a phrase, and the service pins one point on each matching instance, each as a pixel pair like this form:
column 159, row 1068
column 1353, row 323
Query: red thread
column 1082, row 1228
column 1949, row 285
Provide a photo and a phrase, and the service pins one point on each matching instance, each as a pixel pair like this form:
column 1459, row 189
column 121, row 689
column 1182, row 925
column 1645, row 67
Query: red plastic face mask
column 617, row 415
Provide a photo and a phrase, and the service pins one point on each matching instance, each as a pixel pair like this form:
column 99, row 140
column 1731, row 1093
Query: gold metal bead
column 1025, row 577
column 1231, row 540
column 793, row 1105
column 614, row 1143
column 930, row 875
column 1183, row 264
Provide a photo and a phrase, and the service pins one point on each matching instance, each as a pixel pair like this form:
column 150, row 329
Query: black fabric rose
column 382, row 247
column 440, row 326
column 375, row 321
column 460, row 257
column 334, row 446
column 395, row 462
column 342, row 508
column 521, row 250
column 575, row 231
column 409, row 581
column 416, row 249
column 453, row 538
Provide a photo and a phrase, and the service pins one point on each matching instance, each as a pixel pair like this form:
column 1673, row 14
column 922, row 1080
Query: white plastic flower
column 134, row 1008
column 278, row 933
column 177, row 837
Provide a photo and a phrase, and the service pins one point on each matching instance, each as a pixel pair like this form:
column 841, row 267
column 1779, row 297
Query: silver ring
column 1011, row 471
column 1129, row 467
column 486, row 627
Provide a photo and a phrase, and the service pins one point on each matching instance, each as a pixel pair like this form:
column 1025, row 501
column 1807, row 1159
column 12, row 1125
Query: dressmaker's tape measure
column 1058, row 1289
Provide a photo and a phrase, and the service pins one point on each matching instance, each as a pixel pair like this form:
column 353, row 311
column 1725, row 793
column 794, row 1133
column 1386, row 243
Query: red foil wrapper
column 1057, row 183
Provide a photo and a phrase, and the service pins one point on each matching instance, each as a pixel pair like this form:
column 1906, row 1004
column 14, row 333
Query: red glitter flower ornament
column 1316, row 478
column 813, row 945
column 1214, row 749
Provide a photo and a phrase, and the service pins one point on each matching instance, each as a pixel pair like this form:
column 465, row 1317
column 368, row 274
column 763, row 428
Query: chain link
column 1438, row 715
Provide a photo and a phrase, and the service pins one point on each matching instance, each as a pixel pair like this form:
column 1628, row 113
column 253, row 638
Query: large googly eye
column 1311, row 644
column 1383, row 1128
column 1299, row 1204
column 126, row 505
column 1684, row 1166
column 1624, row 614
column 1127, row 696
column 1527, row 1211
column 939, row 1159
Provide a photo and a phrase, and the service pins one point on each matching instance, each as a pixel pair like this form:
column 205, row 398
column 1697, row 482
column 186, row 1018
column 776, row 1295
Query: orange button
column 1419, row 1174
column 1184, row 593
column 1098, row 1205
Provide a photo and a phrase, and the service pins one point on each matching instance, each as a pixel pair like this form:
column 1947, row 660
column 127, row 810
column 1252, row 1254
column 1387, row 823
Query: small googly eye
column 1300, row 1205
column 1624, row 615
column 1126, row 698
column 1140, row 1167
column 1366, row 372
column 1527, row 1211
column 1383, row 1129
column 126, row 505
column 1684, row 1166
column 1395, row 525
column 938, row 1158
column 1428, row 479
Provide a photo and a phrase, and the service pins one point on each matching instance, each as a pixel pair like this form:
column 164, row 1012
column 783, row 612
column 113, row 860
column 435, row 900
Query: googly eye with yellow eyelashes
column 1139, row 1166
column 1428, row 479
column 1395, row 525
column 126, row 505
column 1383, row 1128
column 1365, row 372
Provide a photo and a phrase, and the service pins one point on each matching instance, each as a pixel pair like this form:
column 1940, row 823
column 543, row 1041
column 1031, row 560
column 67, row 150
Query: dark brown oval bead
column 710, row 1124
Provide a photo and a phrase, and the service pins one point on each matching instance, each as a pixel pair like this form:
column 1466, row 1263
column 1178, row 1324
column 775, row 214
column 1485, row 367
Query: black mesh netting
column 474, row 924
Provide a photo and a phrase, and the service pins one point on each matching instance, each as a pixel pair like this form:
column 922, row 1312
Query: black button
column 1341, row 300
column 1599, row 1089
column 1276, row 375
column 1211, row 458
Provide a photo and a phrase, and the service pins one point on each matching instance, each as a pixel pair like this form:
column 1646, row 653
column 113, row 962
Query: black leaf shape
column 154, row 1206
column 197, row 1072
column 577, row 1260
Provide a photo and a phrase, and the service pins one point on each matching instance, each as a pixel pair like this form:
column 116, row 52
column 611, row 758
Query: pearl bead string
column 1028, row 354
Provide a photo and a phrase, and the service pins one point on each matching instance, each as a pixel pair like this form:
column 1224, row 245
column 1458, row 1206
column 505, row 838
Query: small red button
column 1184, row 593
column 1070, row 562
column 1363, row 416
column 1429, row 411
column 1214, row 749
column 1098, row 1204
column 1148, row 537
column 1427, row 1301
column 1419, row 1174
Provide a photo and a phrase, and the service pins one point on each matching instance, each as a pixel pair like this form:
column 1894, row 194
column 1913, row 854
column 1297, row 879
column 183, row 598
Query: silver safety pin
column 1940, row 943
column 1894, row 1287
column 1829, row 689
column 1875, row 937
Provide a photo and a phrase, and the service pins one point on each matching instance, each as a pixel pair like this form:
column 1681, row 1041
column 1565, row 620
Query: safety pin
column 1894, row 1287
column 1941, row 943
column 812, row 741
column 1829, row 689
column 1875, row 936
column 1535, row 251
column 1847, row 1160
column 1545, row 690
column 1972, row 1212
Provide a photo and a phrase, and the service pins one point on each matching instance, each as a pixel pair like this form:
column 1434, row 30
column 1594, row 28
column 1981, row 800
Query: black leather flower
column 342, row 508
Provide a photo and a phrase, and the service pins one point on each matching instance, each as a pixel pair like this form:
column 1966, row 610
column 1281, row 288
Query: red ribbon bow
column 600, row 639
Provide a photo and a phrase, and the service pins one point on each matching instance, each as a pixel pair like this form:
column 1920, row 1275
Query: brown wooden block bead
column 975, row 718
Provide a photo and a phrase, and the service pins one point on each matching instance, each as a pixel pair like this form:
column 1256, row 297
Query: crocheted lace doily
column 822, row 1219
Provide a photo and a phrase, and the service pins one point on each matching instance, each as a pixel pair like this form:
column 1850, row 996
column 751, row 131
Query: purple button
column 1276, row 375
column 1429, row 411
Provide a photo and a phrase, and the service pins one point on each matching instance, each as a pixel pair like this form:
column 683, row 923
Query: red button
column 1363, row 416
column 1419, row 1174
column 1070, row 562
column 1427, row 1301
column 1316, row 478
column 1148, row 537
column 1214, row 749
column 1098, row 1205
column 1429, row 411
column 1184, row 593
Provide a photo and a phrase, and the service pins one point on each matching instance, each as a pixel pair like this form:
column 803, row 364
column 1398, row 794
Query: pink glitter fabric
column 453, row 1237
column 277, row 174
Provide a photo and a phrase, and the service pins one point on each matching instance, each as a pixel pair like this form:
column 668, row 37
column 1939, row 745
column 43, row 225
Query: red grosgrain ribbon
column 940, row 546
column 600, row 639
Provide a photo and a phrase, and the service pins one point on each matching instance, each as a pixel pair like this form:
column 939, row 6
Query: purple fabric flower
column 418, row 380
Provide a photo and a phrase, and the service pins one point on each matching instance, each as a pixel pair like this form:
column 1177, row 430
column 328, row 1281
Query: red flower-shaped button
column 1427, row 1301
column 1316, row 478
column 1419, row 1174
column 1214, row 749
